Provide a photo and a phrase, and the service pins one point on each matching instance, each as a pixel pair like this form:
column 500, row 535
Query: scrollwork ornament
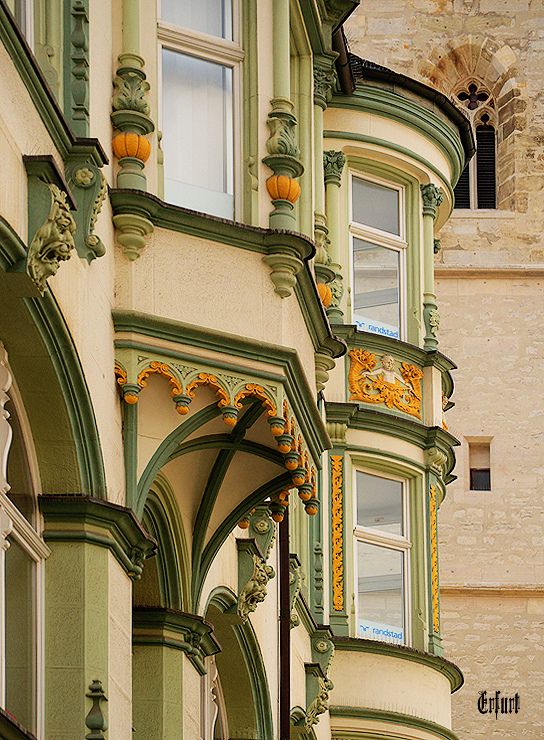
column 53, row 242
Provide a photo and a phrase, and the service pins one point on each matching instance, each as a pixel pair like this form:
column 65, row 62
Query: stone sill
column 473, row 213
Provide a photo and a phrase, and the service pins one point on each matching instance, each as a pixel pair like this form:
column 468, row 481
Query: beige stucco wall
column 397, row 685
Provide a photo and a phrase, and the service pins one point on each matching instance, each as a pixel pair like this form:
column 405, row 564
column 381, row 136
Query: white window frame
column 398, row 543
column 219, row 51
column 381, row 238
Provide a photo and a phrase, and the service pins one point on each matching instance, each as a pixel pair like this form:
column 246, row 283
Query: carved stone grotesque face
column 388, row 363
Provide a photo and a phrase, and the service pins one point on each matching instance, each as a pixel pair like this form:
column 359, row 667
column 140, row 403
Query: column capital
column 432, row 198
column 333, row 164
column 324, row 79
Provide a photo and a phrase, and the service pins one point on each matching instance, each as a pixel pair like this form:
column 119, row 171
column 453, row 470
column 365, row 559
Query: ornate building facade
column 486, row 55
column 222, row 394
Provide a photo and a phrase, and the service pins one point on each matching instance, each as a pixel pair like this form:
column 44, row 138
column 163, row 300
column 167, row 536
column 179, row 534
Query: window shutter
column 485, row 167
column 462, row 190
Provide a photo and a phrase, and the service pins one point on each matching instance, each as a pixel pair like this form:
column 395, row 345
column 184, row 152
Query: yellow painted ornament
column 129, row 144
column 325, row 293
column 282, row 187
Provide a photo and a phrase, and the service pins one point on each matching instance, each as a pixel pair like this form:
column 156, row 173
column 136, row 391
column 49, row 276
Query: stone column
column 432, row 198
column 333, row 165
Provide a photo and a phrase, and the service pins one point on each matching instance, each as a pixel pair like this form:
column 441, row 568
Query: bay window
column 378, row 249
column 382, row 549
column 200, row 60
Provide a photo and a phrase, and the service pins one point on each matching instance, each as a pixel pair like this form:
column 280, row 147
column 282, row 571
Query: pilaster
column 333, row 166
column 432, row 198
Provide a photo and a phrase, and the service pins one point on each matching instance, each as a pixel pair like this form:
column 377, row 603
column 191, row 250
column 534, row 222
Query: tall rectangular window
column 382, row 558
column 200, row 75
column 378, row 257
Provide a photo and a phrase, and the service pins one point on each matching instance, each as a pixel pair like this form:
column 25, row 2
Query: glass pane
column 197, row 134
column 207, row 16
column 379, row 503
column 381, row 593
column 376, row 286
column 20, row 638
column 376, row 206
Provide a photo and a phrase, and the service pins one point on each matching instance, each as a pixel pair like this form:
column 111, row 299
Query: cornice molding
column 70, row 518
column 382, row 715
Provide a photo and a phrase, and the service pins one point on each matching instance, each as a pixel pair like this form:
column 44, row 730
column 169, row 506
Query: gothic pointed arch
column 241, row 669
column 482, row 77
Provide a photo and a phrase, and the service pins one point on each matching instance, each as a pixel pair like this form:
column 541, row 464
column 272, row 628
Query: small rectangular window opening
column 479, row 466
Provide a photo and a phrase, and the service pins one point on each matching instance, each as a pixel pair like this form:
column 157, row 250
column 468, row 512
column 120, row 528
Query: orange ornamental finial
column 282, row 187
column 129, row 144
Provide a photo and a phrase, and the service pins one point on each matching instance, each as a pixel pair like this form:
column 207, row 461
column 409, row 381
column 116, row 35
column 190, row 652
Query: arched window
column 477, row 186
column 22, row 558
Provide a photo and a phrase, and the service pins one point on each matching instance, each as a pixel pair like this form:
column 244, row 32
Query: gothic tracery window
column 477, row 185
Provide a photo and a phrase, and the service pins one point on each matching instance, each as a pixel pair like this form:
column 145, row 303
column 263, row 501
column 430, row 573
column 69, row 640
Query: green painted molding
column 357, row 417
column 437, row 663
column 70, row 518
column 41, row 324
column 299, row 392
column 379, row 715
column 179, row 630
column 375, row 141
column 267, row 242
column 403, row 109
column 64, row 138
column 76, row 85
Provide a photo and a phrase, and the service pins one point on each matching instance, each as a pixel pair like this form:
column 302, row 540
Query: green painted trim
column 43, row 99
column 252, row 238
column 225, row 601
column 213, row 485
column 250, row 71
column 60, row 359
column 57, row 338
column 397, row 718
column 87, row 519
column 419, row 578
column 228, row 524
column 403, row 109
column 365, row 139
column 225, row 442
column 151, row 625
column 414, row 296
column 357, row 417
column 299, row 392
column 130, row 451
column 437, row 663
column 167, row 447
column 163, row 521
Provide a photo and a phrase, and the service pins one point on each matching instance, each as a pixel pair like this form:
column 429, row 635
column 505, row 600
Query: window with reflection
column 200, row 61
column 382, row 548
column 378, row 257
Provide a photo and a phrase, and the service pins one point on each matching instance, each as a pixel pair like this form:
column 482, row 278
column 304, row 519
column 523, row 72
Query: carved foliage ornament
column 387, row 385
column 321, row 702
column 432, row 198
column 333, row 165
column 324, row 79
column 254, row 592
column 53, row 242
column 337, row 530
column 130, row 91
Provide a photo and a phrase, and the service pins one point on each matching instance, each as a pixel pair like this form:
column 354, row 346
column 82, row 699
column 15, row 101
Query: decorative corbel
column 295, row 582
column 132, row 230
column 262, row 530
column 436, row 461
column 323, row 363
column 89, row 187
column 51, row 225
column 253, row 577
column 318, row 686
